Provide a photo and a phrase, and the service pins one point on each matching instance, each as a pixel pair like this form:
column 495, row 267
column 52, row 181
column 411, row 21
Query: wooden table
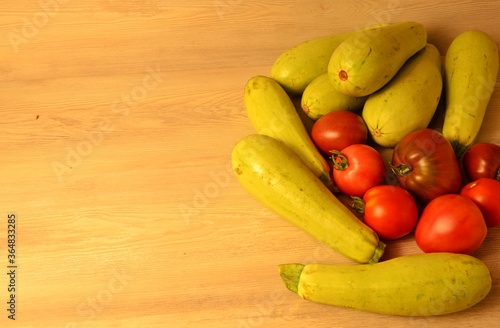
column 117, row 123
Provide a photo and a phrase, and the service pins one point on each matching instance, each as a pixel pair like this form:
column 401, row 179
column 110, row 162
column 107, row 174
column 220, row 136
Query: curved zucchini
column 412, row 285
column 273, row 174
column 272, row 112
column 471, row 68
column 366, row 61
column 296, row 67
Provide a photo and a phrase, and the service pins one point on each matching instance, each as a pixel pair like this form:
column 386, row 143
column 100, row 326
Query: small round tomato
column 482, row 160
column 337, row 130
column 357, row 168
column 450, row 223
column 390, row 211
column 484, row 192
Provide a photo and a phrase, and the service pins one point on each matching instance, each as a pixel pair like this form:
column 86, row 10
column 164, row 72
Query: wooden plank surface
column 117, row 123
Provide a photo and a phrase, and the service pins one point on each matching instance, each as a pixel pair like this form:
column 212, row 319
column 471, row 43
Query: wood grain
column 117, row 123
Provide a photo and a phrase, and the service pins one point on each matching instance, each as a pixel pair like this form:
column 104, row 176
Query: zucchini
column 296, row 67
column 412, row 285
column 369, row 59
column 471, row 68
column 272, row 112
column 408, row 102
column 274, row 175
column 320, row 98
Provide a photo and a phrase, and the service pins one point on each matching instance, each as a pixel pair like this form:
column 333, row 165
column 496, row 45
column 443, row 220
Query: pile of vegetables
column 367, row 90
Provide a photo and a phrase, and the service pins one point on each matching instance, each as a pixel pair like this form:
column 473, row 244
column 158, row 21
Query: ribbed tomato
column 426, row 165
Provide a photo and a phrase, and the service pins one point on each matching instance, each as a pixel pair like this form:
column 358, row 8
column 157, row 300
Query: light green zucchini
column 471, row 69
column 297, row 66
column 272, row 112
column 273, row 174
column 366, row 61
column 411, row 285
column 408, row 102
column 320, row 98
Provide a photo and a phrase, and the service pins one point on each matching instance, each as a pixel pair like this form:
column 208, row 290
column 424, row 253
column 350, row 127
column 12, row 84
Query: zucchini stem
column 379, row 251
column 290, row 274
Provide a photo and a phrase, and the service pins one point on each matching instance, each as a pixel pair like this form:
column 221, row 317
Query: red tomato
column 390, row 211
column 485, row 193
column 482, row 160
column 337, row 130
column 451, row 223
column 426, row 165
column 358, row 168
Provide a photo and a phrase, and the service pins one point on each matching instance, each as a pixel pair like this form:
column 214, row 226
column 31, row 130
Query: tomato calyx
column 498, row 175
column 358, row 204
column 340, row 161
column 401, row 169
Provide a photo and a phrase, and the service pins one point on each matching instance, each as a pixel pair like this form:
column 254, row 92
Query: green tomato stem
column 340, row 161
column 358, row 204
column 401, row 169
column 498, row 175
